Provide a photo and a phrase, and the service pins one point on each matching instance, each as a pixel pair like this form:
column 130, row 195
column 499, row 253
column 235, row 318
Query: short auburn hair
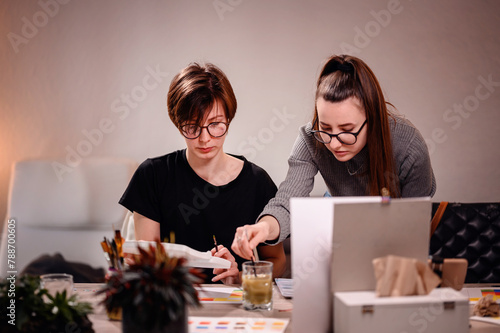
column 194, row 91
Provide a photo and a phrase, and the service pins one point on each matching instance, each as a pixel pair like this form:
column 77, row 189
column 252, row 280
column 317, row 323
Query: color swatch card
column 220, row 294
column 474, row 294
column 285, row 286
column 236, row 324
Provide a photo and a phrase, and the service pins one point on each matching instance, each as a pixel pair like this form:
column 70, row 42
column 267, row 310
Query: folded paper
column 194, row 258
column 400, row 276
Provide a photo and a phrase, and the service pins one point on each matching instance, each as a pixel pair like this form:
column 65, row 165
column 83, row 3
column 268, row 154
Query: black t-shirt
column 167, row 190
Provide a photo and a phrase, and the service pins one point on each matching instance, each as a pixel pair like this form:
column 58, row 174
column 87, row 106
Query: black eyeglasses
column 346, row 138
column 216, row 130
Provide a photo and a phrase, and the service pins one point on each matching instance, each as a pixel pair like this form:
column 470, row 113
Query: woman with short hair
column 201, row 192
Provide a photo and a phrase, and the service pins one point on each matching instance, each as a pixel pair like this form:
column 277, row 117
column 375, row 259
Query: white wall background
column 70, row 67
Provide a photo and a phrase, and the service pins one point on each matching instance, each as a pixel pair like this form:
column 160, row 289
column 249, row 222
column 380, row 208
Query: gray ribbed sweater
column 412, row 160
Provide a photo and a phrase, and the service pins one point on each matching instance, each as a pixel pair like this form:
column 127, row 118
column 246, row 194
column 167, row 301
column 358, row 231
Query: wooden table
column 281, row 309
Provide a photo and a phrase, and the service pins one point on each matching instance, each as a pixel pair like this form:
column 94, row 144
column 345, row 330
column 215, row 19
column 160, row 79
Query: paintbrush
column 119, row 245
column 215, row 242
column 105, row 252
column 255, row 255
column 116, row 257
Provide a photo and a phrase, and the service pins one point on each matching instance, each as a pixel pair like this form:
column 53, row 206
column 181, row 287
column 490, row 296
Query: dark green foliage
column 38, row 311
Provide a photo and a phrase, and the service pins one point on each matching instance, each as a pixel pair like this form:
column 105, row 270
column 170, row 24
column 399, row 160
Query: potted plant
column 153, row 292
column 25, row 307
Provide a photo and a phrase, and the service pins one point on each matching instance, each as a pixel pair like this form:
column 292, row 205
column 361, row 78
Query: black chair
column 470, row 231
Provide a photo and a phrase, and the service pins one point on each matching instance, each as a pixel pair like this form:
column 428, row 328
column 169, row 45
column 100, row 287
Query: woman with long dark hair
column 355, row 141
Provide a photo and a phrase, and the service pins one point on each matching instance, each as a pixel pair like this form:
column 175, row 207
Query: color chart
column 234, row 324
column 474, row 294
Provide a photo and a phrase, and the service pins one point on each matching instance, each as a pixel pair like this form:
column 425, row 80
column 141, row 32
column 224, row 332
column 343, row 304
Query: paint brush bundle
column 113, row 251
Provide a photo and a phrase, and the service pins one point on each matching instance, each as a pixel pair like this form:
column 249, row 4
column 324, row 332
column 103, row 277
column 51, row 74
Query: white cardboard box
column 443, row 310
